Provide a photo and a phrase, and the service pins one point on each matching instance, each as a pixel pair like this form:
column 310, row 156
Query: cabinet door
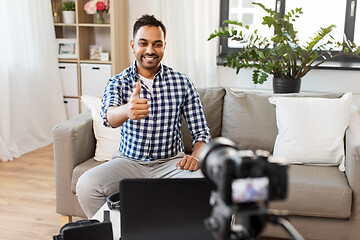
column 69, row 78
column 72, row 107
column 94, row 78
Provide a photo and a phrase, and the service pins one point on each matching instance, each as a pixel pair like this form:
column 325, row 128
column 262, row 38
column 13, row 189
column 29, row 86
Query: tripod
column 223, row 221
column 276, row 217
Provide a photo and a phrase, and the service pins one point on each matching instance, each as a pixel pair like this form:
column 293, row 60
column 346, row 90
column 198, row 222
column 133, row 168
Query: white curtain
column 189, row 24
column 31, row 100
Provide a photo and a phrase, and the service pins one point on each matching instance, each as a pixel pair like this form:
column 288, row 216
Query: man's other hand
column 188, row 163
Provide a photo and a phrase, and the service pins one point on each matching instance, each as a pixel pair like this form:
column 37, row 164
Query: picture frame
column 67, row 48
column 95, row 52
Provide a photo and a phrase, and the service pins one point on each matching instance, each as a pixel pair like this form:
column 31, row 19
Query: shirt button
column 154, row 118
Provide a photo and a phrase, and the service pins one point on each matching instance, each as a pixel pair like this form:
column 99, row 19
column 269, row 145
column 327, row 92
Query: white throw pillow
column 311, row 130
column 107, row 139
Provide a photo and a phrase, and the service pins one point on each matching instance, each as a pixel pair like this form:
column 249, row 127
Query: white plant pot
column 69, row 16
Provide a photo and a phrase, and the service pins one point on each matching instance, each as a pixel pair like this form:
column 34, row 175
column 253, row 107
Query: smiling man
column 148, row 46
column 147, row 101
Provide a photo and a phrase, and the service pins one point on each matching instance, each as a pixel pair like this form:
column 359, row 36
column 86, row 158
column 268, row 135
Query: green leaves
column 229, row 33
column 269, row 21
column 68, row 6
column 293, row 14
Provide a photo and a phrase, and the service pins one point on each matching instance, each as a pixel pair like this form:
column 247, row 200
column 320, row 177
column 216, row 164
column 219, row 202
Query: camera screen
column 250, row 189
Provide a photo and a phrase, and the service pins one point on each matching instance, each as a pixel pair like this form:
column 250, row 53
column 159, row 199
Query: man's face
column 148, row 46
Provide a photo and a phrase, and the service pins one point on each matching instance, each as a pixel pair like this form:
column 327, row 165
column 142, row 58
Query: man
column 147, row 101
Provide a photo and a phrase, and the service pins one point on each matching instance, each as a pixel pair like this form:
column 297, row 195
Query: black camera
column 245, row 182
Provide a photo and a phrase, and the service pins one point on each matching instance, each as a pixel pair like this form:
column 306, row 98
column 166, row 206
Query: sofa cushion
column 80, row 169
column 249, row 119
column 316, row 191
column 107, row 139
column 315, row 124
column 212, row 101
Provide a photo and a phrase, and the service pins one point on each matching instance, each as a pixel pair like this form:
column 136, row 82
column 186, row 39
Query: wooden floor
column 27, row 197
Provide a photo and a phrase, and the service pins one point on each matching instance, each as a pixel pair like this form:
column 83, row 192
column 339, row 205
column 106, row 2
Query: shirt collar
column 135, row 73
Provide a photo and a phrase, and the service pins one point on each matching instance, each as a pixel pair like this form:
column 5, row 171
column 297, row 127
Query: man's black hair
column 148, row 20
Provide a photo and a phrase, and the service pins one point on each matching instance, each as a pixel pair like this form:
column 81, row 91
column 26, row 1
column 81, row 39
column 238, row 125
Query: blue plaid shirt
column 157, row 136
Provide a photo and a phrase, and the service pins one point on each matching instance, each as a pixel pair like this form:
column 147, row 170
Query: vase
column 284, row 85
column 99, row 18
column 69, row 17
column 56, row 17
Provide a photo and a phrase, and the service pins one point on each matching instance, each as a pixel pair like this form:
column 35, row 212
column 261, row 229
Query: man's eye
column 158, row 45
column 143, row 44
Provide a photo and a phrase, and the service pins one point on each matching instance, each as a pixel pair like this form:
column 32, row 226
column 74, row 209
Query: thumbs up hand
column 138, row 108
column 135, row 94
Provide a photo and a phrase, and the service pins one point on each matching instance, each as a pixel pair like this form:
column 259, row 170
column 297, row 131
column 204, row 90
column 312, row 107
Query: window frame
column 343, row 62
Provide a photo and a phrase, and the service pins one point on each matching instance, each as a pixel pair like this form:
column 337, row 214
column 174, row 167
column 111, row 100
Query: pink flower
column 90, row 7
column 100, row 6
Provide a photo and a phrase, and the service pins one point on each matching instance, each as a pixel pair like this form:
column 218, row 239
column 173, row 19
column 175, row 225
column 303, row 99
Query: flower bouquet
column 97, row 7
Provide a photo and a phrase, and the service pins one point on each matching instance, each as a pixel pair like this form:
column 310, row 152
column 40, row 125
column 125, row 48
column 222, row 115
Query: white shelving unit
column 82, row 75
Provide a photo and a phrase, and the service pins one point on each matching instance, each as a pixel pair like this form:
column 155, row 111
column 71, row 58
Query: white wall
column 316, row 80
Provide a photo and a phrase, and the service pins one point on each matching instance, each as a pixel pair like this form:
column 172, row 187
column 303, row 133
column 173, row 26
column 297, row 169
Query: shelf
column 106, row 25
column 93, row 25
column 73, row 97
column 65, row 24
column 95, row 61
column 64, row 60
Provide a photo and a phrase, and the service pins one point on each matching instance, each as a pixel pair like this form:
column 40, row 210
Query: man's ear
column 132, row 45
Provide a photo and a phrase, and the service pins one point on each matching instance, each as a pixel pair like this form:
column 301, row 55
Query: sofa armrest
column 74, row 143
column 352, row 162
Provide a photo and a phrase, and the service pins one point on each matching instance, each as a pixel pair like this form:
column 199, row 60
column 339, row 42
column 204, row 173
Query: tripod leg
column 295, row 235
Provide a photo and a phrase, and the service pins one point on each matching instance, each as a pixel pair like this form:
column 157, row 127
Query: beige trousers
column 99, row 182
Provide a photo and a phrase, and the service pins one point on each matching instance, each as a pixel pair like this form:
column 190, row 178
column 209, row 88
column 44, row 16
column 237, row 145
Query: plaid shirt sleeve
column 195, row 117
column 112, row 97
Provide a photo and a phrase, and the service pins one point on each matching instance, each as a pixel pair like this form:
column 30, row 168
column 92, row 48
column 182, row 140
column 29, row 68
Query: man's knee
column 94, row 184
column 86, row 186
column 89, row 194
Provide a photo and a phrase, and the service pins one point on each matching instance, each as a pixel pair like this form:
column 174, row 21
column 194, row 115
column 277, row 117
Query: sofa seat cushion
column 80, row 169
column 316, row 191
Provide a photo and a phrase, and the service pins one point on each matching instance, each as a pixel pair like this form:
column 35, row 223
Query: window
column 247, row 13
column 312, row 19
column 317, row 13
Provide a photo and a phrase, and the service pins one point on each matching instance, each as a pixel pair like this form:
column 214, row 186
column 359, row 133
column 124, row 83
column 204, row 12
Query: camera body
column 245, row 182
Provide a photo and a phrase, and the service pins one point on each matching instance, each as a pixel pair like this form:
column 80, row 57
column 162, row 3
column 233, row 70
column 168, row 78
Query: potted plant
column 68, row 10
column 282, row 55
